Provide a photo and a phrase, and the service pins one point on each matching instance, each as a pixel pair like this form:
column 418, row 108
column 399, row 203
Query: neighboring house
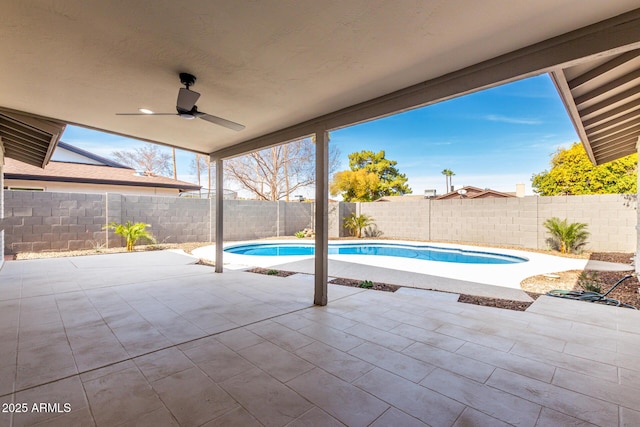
column 470, row 192
column 74, row 170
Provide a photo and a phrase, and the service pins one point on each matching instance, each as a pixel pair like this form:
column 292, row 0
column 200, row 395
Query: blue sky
column 491, row 139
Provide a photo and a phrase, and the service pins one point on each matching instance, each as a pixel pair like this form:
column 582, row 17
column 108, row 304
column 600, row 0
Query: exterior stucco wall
column 73, row 187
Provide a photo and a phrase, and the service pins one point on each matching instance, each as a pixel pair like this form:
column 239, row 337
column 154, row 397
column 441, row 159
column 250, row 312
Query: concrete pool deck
column 490, row 280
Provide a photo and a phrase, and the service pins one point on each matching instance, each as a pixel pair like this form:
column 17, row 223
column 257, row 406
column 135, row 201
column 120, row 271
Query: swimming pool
column 421, row 252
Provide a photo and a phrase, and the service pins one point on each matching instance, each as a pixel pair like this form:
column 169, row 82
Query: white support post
column 322, row 222
column 219, row 215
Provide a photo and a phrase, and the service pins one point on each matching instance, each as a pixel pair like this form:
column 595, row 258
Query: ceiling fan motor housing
column 187, row 79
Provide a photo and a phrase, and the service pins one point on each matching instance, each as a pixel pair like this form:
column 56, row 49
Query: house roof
column 283, row 68
column 406, row 198
column 92, row 174
column 474, row 193
column 90, row 155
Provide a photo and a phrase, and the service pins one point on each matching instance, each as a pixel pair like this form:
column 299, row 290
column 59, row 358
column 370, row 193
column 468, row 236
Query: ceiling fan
column 186, row 106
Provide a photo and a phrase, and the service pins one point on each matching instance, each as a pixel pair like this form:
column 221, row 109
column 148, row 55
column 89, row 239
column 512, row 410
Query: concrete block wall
column 485, row 221
column 401, row 220
column 251, row 219
column 41, row 221
column 297, row 217
column 336, row 213
column 172, row 219
column 611, row 219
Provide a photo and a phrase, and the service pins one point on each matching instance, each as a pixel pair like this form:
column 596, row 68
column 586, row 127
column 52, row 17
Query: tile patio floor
column 148, row 339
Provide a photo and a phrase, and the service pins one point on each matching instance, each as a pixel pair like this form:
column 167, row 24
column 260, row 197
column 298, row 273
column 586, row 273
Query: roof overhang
column 602, row 96
column 285, row 69
column 28, row 138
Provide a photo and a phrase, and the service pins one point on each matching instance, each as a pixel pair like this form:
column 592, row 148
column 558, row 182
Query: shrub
column 589, row 282
column 367, row 284
column 272, row 272
column 300, row 234
column 132, row 232
column 566, row 237
column 356, row 223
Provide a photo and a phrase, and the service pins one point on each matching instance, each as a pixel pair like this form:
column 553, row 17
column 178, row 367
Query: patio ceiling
column 275, row 65
column 602, row 97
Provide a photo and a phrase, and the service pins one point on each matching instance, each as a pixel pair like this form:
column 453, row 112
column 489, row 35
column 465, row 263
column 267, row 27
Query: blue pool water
column 431, row 253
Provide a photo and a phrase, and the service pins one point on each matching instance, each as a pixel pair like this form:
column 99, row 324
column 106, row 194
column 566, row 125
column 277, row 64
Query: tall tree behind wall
column 150, row 158
column 573, row 173
column 278, row 172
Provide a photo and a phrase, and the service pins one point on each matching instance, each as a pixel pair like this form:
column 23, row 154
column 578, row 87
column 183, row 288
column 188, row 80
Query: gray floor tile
column 562, row 400
column 333, row 337
column 266, row 399
column 487, row 340
column 394, row 418
column 59, row 394
column 549, row 417
column 330, row 394
column 120, row 397
column 163, row 363
column 426, row 336
column 377, row 336
column 316, row 417
column 392, row 361
column 192, row 397
column 282, row 336
column 334, row 361
column 277, row 362
column 237, row 417
column 428, row 406
column 511, row 362
column 472, row 418
column 495, row 403
column 453, row 362
column 611, row 392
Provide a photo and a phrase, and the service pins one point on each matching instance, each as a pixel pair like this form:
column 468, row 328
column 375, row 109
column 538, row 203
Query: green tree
column 573, row 173
column 359, row 184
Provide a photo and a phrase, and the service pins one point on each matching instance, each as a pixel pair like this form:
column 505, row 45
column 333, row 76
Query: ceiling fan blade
column 187, row 99
column 146, row 114
column 222, row 122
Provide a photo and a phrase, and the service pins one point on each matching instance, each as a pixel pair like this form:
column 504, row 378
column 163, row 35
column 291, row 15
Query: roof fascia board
column 98, row 181
column 562, row 86
column 616, row 35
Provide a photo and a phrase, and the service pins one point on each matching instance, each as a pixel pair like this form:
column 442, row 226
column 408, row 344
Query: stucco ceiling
column 268, row 64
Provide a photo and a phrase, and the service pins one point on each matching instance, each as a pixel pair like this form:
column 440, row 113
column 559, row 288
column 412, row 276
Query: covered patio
column 153, row 339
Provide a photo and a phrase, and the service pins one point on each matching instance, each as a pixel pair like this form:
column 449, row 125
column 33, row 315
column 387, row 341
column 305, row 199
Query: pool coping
column 499, row 275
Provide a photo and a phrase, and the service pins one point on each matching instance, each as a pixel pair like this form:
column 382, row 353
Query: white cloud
column 513, row 120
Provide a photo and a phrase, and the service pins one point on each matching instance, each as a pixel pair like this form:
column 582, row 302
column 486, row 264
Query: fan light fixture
column 186, row 107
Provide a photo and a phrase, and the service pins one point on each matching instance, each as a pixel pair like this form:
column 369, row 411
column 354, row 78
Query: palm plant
column 566, row 237
column 132, row 232
column 356, row 223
